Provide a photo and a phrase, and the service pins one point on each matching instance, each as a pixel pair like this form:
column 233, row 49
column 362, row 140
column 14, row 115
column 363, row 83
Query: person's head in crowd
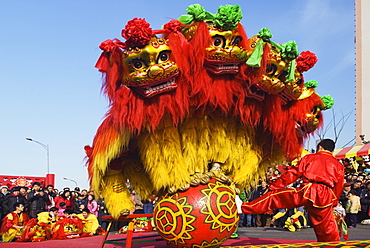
column 66, row 188
column 80, row 197
column 62, row 204
column 264, row 184
column 19, row 207
column 16, row 190
column 349, row 194
column 277, row 173
column 84, row 192
column 354, row 177
column 53, row 211
column 77, row 190
column 67, row 213
column 360, row 177
column 349, row 178
column 23, row 190
column 36, row 186
column 90, row 198
column 4, row 189
column 66, row 194
column 81, row 207
column 325, row 144
column 85, row 213
column 347, row 187
column 357, row 184
column 50, row 188
column 29, row 190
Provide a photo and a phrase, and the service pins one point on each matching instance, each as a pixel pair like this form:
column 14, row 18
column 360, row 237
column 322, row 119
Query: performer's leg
column 285, row 198
column 324, row 224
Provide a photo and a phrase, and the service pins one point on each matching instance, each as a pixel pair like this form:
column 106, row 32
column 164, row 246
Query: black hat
column 16, row 188
column 77, row 189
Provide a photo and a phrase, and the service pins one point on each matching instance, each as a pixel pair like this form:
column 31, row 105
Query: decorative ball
column 202, row 216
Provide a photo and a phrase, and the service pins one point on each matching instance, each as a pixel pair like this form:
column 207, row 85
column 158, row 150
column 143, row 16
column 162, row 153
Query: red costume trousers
column 322, row 218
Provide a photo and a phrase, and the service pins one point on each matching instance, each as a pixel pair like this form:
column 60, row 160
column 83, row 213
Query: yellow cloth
column 278, row 215
column 13, row 231
column 91, row 223
column 44, row 217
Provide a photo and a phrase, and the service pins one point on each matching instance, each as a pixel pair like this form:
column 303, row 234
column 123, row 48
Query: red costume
column 323, row 178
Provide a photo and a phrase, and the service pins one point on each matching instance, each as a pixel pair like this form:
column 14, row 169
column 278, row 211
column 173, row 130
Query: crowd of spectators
column 37, row 199
column 355, row 200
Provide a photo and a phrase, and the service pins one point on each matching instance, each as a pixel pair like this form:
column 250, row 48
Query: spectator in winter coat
column 343, row 197
column 365, row 202
column 81, row 200
column 92, row 205
column 352, row 208
column 37, row 200
column 356, row 187
column 66, row 198
column 11, row 199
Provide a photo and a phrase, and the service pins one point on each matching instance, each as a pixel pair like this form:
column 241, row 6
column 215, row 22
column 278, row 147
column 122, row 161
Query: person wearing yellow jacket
column 14, row 223
column 91, row 223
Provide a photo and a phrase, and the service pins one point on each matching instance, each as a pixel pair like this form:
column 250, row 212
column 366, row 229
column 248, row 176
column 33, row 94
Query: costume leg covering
column 284, row 198
column 324, row 224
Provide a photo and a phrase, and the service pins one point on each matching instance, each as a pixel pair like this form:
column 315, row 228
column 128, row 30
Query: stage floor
column 249, row 237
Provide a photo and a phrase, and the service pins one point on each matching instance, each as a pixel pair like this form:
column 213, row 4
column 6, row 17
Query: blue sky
column 50, row 90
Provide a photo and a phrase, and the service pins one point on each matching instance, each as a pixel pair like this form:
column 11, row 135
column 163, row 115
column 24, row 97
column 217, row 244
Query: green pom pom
column 328, row 101
column 195, row 12
column 228, row 17
column 311, row 84
column 289, row 50
column 265, row 34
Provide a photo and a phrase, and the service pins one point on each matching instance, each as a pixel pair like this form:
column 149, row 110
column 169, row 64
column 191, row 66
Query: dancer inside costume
column 91, row 223
column 13, row 223
column 322, row 185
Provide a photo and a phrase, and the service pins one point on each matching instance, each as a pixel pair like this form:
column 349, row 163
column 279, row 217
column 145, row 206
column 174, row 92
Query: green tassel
column 291, row 70
column 256, row 57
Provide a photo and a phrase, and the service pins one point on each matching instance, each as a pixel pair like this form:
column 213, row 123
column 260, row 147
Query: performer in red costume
column 323, row 178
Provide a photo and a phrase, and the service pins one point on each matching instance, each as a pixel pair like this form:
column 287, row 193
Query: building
column 362, row 71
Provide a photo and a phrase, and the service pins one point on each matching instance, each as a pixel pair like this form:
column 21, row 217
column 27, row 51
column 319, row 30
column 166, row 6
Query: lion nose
column 155, row 71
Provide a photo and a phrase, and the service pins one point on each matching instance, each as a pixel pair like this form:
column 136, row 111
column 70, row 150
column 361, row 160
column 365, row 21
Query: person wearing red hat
column 323, row 179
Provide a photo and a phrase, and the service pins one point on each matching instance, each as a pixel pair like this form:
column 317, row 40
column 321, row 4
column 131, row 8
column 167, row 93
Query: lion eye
column 137, row 64
column 218, row 41
column 237, row 41
column 164, row 56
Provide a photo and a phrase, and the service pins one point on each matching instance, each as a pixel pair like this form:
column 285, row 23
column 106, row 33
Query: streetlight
column 46, row 148
column 70, row 180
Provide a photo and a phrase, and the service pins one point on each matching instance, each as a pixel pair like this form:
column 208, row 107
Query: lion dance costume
column 197, row 112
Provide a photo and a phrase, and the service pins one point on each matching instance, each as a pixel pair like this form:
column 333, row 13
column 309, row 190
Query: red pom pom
column 110, row 45
column 137, row 32
column 173, row 26
column 306, row 61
